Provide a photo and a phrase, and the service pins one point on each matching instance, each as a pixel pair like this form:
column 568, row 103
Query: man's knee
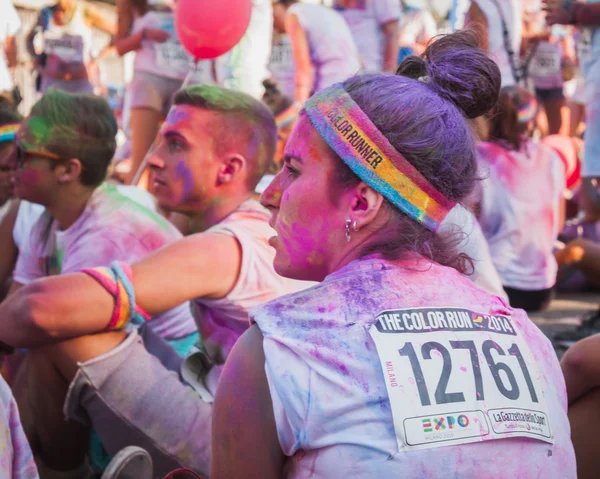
column 65, row 356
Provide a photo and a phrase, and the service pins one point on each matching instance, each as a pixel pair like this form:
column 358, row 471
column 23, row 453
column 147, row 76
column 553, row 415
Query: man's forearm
column 391, row 46
column 587, row 14
column 54, row 309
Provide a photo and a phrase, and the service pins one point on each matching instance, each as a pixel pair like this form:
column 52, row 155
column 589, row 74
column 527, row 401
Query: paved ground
column 565, row 313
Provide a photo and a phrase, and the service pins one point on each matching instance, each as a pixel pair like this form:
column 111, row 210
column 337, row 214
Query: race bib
column 281, row 54
column 69, row 48
column 171, row 56
column 454, row 376
column 545, row 66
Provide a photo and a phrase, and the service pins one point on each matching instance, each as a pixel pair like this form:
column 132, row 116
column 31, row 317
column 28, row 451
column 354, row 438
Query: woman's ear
column 365, row 204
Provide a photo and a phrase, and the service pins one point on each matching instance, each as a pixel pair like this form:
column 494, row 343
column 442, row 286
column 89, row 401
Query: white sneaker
column 131, row 462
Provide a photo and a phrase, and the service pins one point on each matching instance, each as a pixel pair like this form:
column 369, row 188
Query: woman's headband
column 8, row 132
column 352, row 135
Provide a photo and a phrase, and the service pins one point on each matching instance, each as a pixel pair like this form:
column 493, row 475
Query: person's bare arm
column 99, row 20
column 305, row 70
column 71, row 305
column 476, row 21
column 391, row 45
column 123, row 41
column 590, row 199
column 245, row 443
column 581, row 367
column 8, row 248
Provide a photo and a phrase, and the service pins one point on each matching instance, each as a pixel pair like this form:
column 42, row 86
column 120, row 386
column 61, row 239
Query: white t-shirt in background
column 365, row 19
column 512, row 13
column 520, row 210
column 10, row 24
column 245, row 67
column 332, row 49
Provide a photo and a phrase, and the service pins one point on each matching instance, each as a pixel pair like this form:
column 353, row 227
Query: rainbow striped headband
column 287, row 116
column 352, row 135
column 528, row 111
column 8, row 132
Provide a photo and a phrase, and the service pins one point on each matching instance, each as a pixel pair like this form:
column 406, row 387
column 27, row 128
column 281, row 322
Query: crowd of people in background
column 213, row 294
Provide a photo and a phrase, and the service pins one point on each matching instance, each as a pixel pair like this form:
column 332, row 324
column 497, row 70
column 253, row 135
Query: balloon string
column 190, row 75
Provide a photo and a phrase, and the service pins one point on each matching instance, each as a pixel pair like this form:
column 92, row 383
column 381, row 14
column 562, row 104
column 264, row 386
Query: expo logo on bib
column 443, row 422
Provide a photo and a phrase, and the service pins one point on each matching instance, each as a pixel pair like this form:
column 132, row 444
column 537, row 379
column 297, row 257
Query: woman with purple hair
column 395, row 364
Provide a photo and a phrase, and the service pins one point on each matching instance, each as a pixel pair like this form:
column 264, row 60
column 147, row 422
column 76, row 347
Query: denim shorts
column 148, row 90
column 134, row 395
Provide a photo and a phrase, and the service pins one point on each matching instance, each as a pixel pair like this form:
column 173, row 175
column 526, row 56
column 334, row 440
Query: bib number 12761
column 442, row 396
column 455, row 376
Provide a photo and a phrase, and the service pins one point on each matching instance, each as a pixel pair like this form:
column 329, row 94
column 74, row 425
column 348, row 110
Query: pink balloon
column 209, row 28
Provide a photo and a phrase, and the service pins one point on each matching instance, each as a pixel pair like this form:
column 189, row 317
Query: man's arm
column 391, row 45
column 305, row 72
column 476, row 21
column 565, row 12
column 8, row 248
column 71, row 305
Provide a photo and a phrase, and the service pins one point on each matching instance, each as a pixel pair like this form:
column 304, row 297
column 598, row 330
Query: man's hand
column 558, row 11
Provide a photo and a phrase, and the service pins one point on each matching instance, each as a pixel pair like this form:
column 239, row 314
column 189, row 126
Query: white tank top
column 332, row 49
column 71, row 42
column 382, row 371
column 168, row 59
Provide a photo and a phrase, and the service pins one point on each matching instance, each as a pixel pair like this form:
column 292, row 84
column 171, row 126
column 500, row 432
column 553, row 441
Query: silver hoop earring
column 354, row 226
column 348, row 223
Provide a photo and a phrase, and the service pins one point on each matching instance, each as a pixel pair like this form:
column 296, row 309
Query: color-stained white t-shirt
column 460, row 221
column 520, row 210
column 222, row 321
column 420, row 399
column 112, row 227
column 16, row 458
column 332, row 49
column 365, row 19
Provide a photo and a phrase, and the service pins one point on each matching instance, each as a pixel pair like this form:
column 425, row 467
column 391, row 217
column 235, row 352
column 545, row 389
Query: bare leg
column 577, row 116
column 585, row 256
column 584, row 416
column 62, row 445
column 144, row 126
column 553, row 109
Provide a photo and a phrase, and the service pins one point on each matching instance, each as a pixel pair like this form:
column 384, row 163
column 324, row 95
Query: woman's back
column 520, row 211
column 406, row 369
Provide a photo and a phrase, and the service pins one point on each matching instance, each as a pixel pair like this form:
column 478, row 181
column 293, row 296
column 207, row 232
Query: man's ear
column 68, row 171
column 231, row 168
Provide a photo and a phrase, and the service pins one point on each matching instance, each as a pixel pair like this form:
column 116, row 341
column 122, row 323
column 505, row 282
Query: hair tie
column 117, row 280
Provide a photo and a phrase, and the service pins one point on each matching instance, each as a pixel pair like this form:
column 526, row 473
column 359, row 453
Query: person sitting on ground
column 62, row 152
column 211, row 152
column 343, row 379
column 521, row 209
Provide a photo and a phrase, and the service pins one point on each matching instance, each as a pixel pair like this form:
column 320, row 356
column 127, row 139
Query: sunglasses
column 22, row 154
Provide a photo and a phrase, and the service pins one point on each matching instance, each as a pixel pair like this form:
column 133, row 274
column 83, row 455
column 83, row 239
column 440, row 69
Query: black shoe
column 590, row 325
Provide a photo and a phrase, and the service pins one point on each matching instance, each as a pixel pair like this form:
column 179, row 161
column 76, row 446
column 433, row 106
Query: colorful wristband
column 117, row 280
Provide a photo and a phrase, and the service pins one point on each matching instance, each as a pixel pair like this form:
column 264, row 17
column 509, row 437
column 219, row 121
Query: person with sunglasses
column 62, row 153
